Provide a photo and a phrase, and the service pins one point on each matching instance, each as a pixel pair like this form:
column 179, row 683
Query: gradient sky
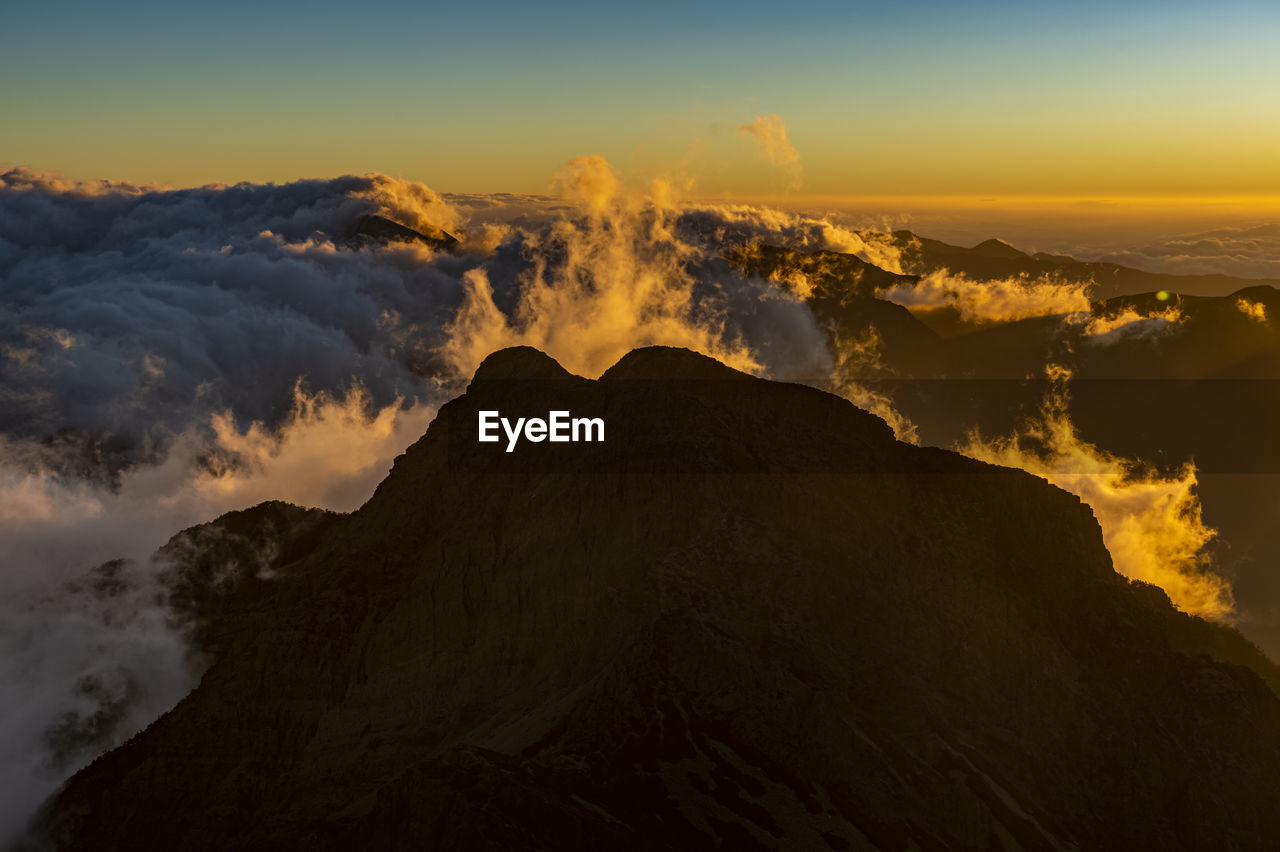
column 904, row 98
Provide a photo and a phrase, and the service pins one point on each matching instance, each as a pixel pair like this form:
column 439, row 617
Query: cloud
column 133, row 314
column 1255, row 311
column 169, row 355
column 772, row 144
column 859, row 355
column 590, row 181
column 296, row 461
column 83, row 665
column 1248, row 252
column 97, row 658
column 1151, row 523
column 730, row 225
column 1129, row 324
column 629, row 271
column 129, row 315
column 165, row 356
column 997, row 300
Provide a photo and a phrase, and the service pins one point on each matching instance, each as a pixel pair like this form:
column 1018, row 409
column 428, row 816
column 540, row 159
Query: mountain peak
column 669, row 362
column 997, row 248
column 372, row 228
column 518, row 363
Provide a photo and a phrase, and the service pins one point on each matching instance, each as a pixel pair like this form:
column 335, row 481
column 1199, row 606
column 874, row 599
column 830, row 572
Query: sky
column 1087, row 99
column 186, row 321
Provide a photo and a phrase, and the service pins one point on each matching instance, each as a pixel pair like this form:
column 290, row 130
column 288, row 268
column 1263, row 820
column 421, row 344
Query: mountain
column 831, row 273
column 1187, row 350
column 1160, row 377
column 748, row 619
column 379, row 230
column 841, row 289
column 997, row 249
column 993, row 259
column 214, row 572
column 1216, row 336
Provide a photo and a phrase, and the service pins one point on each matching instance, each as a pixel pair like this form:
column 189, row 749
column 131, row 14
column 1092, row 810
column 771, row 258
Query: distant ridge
column 995, row 259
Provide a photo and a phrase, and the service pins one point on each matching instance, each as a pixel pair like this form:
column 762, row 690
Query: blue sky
column 911, row 98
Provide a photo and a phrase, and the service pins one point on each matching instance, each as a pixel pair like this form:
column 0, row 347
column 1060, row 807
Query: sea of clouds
column 170, row 355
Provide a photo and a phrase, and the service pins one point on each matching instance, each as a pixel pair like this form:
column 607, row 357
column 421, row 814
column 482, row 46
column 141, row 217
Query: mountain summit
column 748, row 619
column 997, row 248
column 372, row 229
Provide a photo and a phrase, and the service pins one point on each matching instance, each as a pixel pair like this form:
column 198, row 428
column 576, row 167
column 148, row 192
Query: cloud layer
column 166, row 356
column 1151, row 523
column 1247, row 252
column 772, row 144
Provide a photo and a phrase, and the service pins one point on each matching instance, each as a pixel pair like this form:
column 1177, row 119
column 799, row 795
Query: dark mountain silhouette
column 1215, row 338
column 214, row 572
column 373, row 229
column 209, row 576
column 1212, row 342
column 1204, row 389
column 748, row 619
column 831, row 273
column 842, row 291
column 1206, row 386
column 994, row 248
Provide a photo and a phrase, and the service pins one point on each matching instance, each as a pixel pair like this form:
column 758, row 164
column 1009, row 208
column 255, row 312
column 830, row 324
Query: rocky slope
column 748, row 619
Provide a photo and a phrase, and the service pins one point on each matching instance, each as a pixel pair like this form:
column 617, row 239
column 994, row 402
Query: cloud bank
column 997, row 300
column 1247, row 252
column 772, row 144
column 166, row 356
column 169, row 355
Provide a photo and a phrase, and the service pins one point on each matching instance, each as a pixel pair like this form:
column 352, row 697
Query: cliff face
column 748, row 619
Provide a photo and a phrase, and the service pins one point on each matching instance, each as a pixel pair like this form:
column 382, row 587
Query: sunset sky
column 903, row 99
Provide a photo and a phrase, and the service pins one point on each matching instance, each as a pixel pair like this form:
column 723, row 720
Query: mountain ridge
column 749, row 617
column 996, row 259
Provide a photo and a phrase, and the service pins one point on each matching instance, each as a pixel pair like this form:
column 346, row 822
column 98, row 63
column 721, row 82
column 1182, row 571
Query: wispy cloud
column 770, row 135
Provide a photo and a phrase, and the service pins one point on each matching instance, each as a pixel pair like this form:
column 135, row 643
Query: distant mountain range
column 997, row 259
column 1184, row 352
column 750, row 619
